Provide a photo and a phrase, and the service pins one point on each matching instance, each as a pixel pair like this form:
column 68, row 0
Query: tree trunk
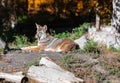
column 97, row 25
column 116, row 15
column 14, row 78
column 97, row 22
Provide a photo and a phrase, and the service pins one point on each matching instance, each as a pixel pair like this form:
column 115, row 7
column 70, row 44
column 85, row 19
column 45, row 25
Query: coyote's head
column 41, row 32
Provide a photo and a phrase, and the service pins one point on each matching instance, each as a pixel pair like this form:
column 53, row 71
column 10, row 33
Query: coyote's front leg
column 33, row 48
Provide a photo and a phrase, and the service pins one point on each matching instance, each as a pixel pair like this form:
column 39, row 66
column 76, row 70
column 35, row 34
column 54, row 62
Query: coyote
column 46, row 42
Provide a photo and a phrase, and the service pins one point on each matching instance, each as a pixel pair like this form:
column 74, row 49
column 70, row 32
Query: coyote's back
column 47, row 42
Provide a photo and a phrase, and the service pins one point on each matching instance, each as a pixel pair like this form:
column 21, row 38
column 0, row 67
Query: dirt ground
column 15, row 61
column 93, row 68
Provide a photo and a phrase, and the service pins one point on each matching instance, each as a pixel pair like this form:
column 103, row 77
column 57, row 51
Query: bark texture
column 116, row 15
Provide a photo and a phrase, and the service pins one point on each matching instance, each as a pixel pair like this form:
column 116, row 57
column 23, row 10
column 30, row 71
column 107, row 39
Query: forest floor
column 93, row 68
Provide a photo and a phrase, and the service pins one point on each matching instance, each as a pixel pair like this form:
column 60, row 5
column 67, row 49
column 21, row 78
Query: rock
column 81, row 41
column 2, row 43
column 109, row 29
column 49, row 63
column 50, row 72
column 106, row 36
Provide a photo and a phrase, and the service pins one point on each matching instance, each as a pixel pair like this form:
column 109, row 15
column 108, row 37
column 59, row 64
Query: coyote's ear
column 45, row 27
column 37, row 26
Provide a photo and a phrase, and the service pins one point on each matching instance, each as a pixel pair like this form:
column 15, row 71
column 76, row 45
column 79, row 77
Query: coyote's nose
column 36, row 36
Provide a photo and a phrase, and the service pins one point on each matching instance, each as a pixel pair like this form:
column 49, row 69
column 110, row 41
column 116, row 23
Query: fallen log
column 49, row 63
column 15, row 78
column 50, row 72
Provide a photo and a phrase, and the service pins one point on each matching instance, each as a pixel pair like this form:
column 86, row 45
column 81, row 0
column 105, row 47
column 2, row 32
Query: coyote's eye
column 38, row 34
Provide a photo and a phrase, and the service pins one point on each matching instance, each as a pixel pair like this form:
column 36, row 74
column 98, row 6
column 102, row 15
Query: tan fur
column 47, row 42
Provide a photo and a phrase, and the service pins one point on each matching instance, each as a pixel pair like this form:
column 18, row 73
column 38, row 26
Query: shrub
column 68, row 59
column 91, row 46
column 62, row 35
column 76, row 32
column 22, row 19
column 21, row 41
column 79, row 31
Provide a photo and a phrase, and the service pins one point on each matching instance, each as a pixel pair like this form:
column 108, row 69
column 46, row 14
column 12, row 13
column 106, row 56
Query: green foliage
column 91, row 46
column 22, row 19
column 62, row 35
column 21, row 41
column 77, row 32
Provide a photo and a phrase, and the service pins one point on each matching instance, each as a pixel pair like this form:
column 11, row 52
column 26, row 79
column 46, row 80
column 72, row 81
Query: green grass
column 68, row 60
column 1, row 49
column 111, row 69
column 91, row 47
column 35, row 63
column 111, row 48
column 98, row 76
